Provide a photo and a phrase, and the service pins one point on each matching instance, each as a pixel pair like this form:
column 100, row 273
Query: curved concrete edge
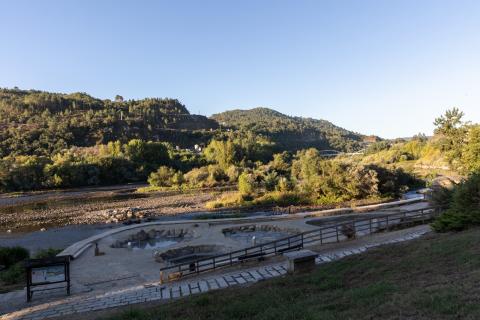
column 365, row 208
column 76, row 249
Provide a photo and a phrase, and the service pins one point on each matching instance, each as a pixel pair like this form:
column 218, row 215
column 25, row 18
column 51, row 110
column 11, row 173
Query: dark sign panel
column 41, row 272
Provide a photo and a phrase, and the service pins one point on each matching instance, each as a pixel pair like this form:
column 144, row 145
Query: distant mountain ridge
column 291, row 132
column 36, row 122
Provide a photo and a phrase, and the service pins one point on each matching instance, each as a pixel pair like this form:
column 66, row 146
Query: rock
column 152, row 234
column 116, row 244
column 9, row 231
column 142, row 236
column 43, row 229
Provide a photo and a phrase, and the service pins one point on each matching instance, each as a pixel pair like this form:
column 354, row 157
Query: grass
column 432, row 278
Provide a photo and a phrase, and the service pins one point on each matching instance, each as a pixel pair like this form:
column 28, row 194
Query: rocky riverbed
column 98, row 207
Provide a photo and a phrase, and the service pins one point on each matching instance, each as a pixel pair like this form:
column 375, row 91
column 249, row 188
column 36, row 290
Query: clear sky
column 385, row 67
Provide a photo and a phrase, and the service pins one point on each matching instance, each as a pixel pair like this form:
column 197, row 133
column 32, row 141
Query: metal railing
column 327, row 234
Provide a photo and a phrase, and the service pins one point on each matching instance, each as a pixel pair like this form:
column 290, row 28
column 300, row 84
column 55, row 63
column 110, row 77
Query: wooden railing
column 327, row 234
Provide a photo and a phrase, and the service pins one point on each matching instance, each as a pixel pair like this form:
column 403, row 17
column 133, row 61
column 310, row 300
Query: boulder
column 142, row 236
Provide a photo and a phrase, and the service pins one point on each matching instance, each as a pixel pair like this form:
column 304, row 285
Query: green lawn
column 437, row 277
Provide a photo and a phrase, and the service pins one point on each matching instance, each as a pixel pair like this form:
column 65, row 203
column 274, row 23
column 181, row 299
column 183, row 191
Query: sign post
column 42, row 272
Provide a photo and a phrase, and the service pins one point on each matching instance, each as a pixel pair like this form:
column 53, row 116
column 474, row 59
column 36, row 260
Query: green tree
column 449, row 123
column 246, row 183
column 471, row 151
column 221, row 152
column 451, row 131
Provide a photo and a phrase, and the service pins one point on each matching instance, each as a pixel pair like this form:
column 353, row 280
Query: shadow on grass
column 431, row 278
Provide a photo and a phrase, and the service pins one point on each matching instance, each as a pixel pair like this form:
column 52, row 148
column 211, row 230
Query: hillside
column 291, row 133
column 42, row 123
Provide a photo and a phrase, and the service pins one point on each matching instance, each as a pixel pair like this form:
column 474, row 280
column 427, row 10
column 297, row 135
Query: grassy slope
column 432, row 278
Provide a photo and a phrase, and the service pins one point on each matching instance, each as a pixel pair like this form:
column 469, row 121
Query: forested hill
column 291, row 132
column 43, row 123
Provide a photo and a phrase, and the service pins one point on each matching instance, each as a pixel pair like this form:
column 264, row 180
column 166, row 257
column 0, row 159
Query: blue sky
column 377, row 67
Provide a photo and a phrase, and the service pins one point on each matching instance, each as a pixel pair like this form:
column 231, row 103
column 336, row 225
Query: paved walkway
column 156, row 292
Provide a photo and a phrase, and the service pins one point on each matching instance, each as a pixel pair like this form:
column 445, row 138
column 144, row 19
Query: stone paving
column 167, row 292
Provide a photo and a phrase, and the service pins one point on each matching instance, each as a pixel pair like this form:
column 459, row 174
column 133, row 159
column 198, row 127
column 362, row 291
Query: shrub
column 282, row 199
column 464, row 209
column 216, row 175
column 233, row 172
column 441, row 196
column 284, row 184
column 229, row 200
column 47, row 253
column 270, row 181
column 11, row 255
column 197, row 177
column 14, row 274
column 163, row 177
column 348, row 230
column 246, row 183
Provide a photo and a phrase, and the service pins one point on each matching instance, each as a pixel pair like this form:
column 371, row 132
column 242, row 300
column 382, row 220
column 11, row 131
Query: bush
column 163, row 177
column 47, row 253
column 282, row 199
column 233, row 172
column 11, row 255
column 464, row 209
column 197, row 177
column 270, row 180
column 246, row 183
column 441, row 196
column 229, row 200
column 14, row 274
column 216, row 175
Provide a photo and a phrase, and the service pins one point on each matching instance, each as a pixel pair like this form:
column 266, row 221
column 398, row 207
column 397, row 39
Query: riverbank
column 88, row 208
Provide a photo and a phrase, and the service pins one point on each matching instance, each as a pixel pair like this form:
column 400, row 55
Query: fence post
column 370, row 225
column 336, row 229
